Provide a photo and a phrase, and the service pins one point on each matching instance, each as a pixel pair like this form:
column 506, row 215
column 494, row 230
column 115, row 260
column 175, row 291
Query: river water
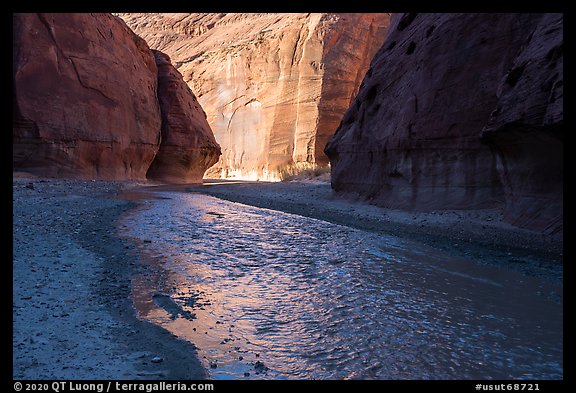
column 270, row 295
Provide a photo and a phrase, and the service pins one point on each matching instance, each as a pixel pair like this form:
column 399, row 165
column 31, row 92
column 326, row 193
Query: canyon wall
column 274, row 86
column 438, row 125
column 526, row 130
column 85, row 99
column 188, row 147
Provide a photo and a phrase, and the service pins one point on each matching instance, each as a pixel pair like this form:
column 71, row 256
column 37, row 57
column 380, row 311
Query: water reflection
column 310, row 299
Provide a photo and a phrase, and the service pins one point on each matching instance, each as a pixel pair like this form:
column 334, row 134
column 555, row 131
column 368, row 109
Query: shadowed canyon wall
column 183, row 156
column 274, row 86
column 459, row 111
column 526, row 130
column 85, row 99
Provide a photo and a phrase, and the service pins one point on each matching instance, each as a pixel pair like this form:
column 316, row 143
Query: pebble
column 151, row 374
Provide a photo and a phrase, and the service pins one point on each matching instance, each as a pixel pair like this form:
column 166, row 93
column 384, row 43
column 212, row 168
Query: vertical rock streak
column 279, row 60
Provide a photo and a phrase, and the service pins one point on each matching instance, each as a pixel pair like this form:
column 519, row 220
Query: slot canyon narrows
column 317, row 196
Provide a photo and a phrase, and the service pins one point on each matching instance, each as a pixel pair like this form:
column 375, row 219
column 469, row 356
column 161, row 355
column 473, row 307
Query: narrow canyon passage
column 265, row 294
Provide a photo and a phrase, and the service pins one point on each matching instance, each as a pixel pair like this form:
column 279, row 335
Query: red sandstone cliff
column 84, row 97
column 274, row 86
column 413, row 137
column 86, row 103
column 188, row 147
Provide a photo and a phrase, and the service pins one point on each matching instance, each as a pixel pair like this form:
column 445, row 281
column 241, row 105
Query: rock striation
column 87, row 104
column 526, row 130
column 188, row 147
column 274, row 86
column 84, row 97
column 438, row 125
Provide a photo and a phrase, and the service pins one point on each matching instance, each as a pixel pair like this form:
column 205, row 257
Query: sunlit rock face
column 84, row 97
column 413, row 138
column 188, row 147
column 274, row 86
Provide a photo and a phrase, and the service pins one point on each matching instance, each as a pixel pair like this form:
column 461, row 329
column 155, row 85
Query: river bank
column 73, row 316
column 72, row 310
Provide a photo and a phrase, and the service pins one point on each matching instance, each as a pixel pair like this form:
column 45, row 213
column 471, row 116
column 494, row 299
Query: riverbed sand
column 73, row 316
column 72, row 312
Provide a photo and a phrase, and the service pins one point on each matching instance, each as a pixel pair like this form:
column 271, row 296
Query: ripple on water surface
column 266, row 294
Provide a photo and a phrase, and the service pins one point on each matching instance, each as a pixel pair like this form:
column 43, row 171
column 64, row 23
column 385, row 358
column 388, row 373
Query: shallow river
column 266, row 294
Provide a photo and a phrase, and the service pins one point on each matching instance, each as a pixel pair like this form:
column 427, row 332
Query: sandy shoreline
column 72, row 313
column 73, row 317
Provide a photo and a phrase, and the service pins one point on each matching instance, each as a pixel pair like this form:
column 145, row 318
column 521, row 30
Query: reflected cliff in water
column 277, row 295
